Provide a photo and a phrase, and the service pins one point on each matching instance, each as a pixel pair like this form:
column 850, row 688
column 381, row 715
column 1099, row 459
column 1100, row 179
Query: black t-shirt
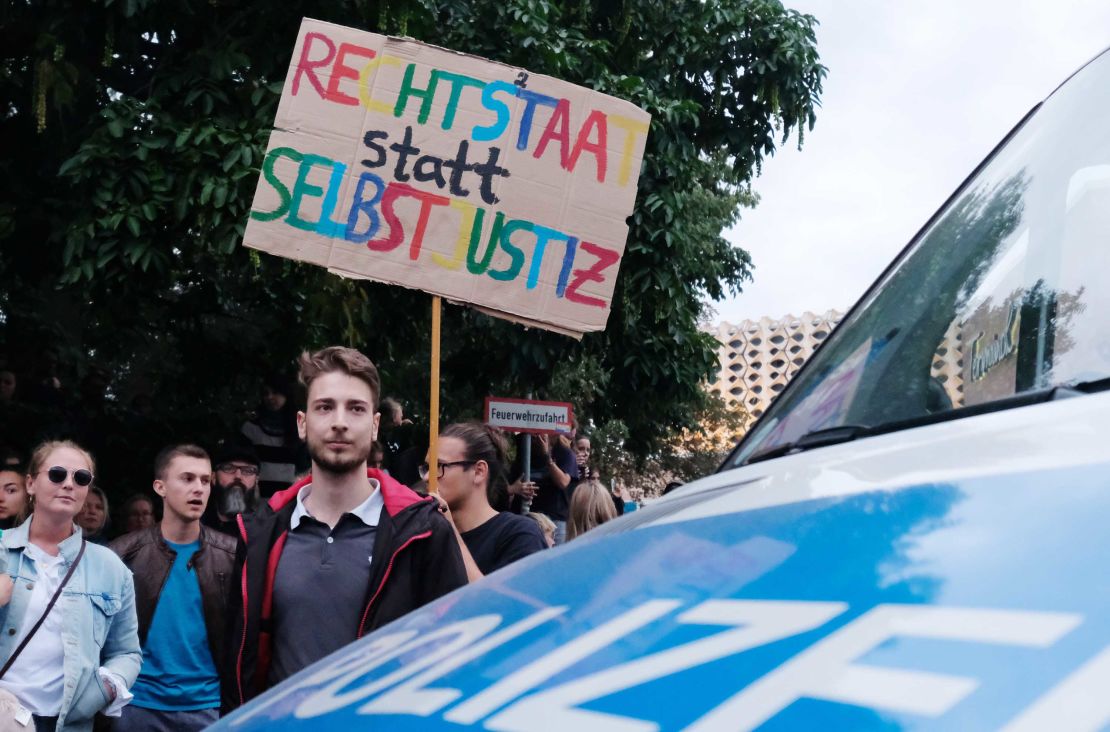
column 550, row 499
column 502, row 540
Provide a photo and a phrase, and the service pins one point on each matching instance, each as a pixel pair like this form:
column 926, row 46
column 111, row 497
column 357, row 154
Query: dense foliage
column 134, row 129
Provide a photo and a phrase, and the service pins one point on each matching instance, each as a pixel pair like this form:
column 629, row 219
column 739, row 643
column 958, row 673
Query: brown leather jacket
column 150, row 559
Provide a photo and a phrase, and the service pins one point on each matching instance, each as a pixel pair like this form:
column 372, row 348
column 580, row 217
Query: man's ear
column 160, row 487
column 481, row 471
column 377, row 423
column 302, row 430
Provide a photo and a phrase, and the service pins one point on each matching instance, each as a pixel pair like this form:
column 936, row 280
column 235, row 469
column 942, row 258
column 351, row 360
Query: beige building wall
column 948, row 364
column 758, row 357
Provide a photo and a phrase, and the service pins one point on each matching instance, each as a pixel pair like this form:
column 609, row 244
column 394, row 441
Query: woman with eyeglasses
column 73, row 646
column 471, row 467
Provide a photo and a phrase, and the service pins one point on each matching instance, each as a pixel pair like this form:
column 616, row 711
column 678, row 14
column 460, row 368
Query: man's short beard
column 336, row 467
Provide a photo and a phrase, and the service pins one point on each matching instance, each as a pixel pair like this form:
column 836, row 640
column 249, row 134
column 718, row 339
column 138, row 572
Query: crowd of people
column 239, row 573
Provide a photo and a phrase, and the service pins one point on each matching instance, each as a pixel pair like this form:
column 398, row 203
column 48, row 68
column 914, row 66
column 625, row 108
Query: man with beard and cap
column 341, row 552
column 234, row 487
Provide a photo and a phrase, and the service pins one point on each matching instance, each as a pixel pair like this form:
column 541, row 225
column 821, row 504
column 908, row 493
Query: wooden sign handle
column 433, row 412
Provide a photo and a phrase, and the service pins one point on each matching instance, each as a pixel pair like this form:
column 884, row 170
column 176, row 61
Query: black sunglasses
column 58, row 474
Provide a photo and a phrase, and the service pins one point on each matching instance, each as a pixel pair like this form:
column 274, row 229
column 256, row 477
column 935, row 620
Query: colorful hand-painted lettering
column 466, row 178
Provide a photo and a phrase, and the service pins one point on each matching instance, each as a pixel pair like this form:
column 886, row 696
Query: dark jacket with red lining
column 416, row 560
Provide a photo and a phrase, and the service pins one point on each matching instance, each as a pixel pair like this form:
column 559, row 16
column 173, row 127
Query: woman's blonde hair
column 38, row 457
column 38, row 460
column 547, row 526
column 590, row 506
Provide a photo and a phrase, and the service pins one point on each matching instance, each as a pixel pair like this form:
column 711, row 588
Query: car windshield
column 1006, row 292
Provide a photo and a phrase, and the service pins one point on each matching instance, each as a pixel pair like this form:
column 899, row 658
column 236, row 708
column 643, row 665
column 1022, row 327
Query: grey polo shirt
column 321, row 584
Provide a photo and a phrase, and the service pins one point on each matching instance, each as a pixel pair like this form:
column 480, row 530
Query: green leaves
column 133, row 201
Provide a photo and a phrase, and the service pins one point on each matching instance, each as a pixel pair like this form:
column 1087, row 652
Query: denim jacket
column 98, row 611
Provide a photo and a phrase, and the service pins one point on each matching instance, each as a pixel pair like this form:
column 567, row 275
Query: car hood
column 947, row 577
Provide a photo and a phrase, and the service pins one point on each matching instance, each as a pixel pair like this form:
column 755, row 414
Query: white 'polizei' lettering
column 524, row 680
column 415, row 698
column 444, row 642
column 362, row 660
column 1078, row 703
column 827, row 669
column 752, row 623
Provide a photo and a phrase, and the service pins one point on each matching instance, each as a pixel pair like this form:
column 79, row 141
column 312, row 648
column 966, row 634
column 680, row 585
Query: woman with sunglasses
column 470, row 466
column 73, row 646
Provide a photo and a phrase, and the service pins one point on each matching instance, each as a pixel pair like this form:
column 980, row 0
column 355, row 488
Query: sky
column 917, row 94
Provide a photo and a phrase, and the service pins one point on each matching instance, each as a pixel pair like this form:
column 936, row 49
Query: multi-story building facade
column 758, row 357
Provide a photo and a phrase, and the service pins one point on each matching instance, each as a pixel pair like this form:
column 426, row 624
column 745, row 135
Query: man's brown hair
column 166, row 456
column 339, row 358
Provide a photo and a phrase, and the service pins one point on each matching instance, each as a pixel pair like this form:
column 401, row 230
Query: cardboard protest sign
column 529, row 415
column 405, row 163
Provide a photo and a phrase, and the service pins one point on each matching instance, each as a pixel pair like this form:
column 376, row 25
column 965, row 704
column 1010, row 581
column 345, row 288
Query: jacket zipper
column 388, row 569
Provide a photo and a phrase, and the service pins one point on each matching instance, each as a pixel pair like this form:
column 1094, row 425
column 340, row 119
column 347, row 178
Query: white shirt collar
column 41, row 558
column 368, row 512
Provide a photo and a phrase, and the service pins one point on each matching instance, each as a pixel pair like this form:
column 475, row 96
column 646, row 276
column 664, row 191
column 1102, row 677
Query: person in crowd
column 547, row 526
column 93, row 518
column 138, row 513
column 470, row 465
column 377, row 456
column 65, row 660
column 582, row 448
column 553, row 470
column 405, row 467
column 234, row 487
column 11, row 459
column 272, row 430
column 622, row 497
column 7, row 387
column 339, row 553
column 6, row 588
column 183, row 572
column 46, row 384
column 582, row 453
column 590, row 507
column 396, row 437
column 13, row 498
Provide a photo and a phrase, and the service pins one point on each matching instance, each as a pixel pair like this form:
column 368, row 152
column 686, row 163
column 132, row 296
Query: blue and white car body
column 888, row 549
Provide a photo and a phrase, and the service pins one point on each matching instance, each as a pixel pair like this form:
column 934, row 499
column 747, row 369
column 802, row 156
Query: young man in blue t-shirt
column 183, row 572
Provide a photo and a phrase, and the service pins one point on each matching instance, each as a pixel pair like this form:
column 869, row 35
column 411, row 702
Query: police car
column 912, row 536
